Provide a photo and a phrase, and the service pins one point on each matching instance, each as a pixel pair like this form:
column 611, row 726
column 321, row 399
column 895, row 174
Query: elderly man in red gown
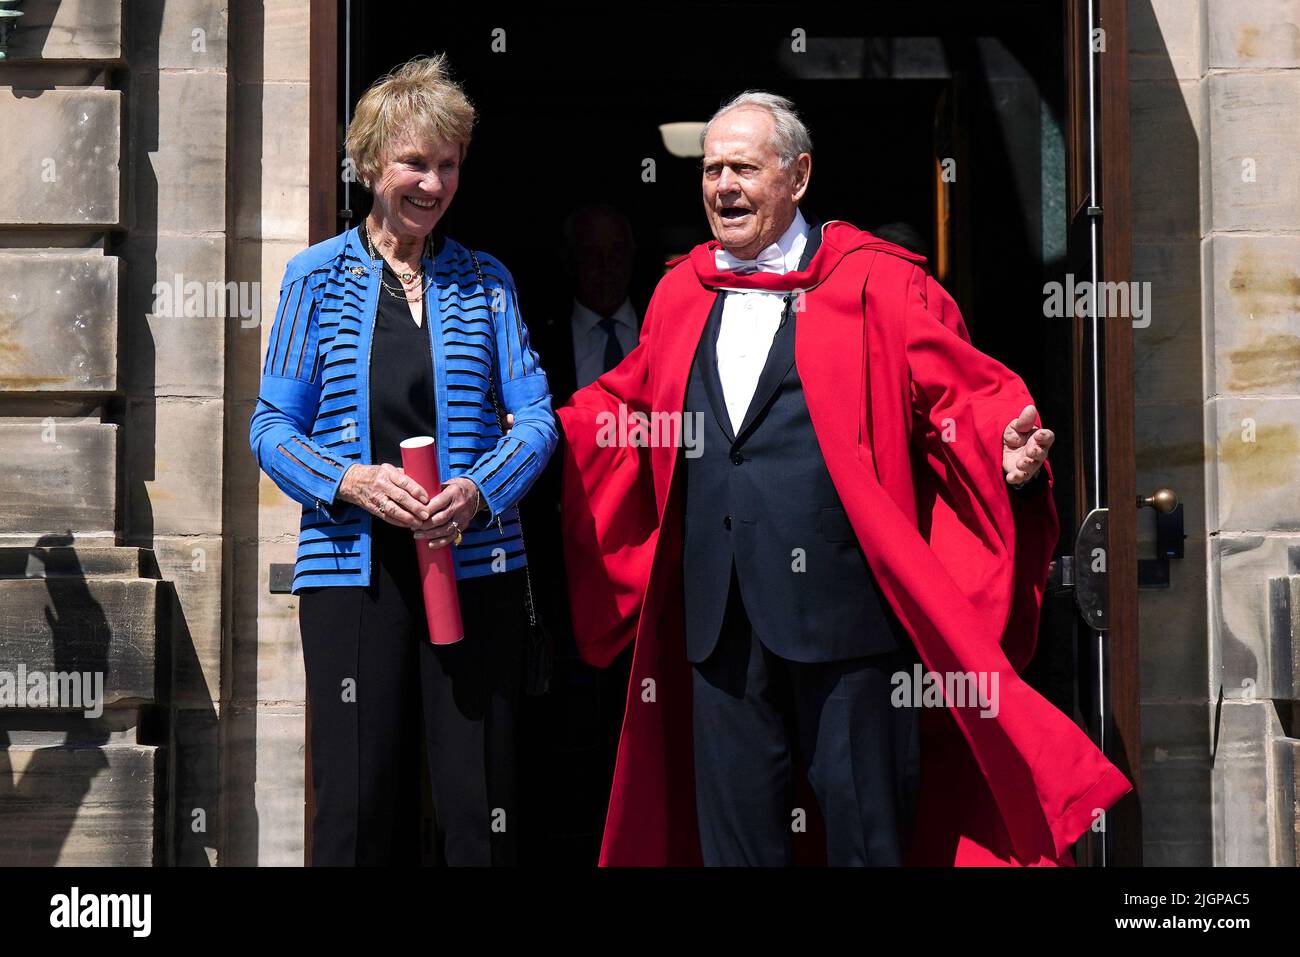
column 803, row 478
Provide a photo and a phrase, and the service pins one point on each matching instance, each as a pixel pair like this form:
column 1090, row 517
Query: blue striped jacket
column 312, row 418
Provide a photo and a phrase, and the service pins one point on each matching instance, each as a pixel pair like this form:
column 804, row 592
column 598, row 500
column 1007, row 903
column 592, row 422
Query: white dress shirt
column 589, row 340
column 749, row 322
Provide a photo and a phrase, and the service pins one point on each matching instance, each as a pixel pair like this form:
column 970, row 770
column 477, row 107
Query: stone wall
column 1216, row 201
column 145, row 221
column 174, row 348
column 74, row 602
column 266, row 689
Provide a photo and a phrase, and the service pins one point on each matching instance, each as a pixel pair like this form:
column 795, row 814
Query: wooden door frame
column 323, row 169
column 1124, row 734
column 1124, row 822
column 1122, row 705
column 322, row 223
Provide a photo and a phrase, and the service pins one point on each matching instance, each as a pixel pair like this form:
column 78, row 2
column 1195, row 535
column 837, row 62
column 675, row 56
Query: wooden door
column 1102, row 371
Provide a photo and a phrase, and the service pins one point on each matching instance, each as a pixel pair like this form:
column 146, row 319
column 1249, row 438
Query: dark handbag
column 539, row 662
column 539, row 649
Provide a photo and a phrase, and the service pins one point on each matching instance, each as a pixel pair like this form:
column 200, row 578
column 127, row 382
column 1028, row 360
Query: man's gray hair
column 789, row 135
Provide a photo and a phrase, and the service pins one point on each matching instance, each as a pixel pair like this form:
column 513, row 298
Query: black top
column 401, row 376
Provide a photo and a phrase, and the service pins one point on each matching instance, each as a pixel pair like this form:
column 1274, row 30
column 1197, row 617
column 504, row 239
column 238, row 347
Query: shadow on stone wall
column 187, row 723
column 1174, row 648
column 242, row 837
column 43, row 798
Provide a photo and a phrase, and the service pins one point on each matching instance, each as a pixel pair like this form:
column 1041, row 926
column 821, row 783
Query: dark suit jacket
column 550, row 328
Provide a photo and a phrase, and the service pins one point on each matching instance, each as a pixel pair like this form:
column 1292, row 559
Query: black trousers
column 754, row 712
column 375, row 682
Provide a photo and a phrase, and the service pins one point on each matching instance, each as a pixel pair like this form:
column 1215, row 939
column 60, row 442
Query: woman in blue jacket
column 382, row 333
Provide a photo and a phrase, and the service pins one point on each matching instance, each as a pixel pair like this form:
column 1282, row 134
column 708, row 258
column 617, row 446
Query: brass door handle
column 1162, row 500
column 1154, row 572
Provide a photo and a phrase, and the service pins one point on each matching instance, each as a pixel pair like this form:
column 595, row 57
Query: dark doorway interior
column 569, row 113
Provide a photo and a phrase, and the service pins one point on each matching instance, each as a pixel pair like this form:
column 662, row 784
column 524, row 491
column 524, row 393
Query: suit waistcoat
column 762, row 501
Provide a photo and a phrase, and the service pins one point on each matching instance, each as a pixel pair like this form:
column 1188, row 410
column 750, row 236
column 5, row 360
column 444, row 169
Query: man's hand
column 1024, row 447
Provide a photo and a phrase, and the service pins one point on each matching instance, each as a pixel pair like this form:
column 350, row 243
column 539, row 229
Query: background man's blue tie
column 613, row 349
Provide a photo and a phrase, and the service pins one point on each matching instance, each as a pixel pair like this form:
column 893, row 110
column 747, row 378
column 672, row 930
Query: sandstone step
column 79, row 805
column 60, row 322
column 113, row 627
column 69, row 153
column 1285, row 758
column 77, row 561
column 68, row 30
column 1283, row 678
column 1292, row 793
column 58, row 475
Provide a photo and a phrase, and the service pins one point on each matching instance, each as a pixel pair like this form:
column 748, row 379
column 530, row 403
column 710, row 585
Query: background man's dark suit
column 568, row 738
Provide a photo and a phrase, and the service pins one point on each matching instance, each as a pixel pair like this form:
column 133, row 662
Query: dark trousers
column 375, row 682
column 754, row 712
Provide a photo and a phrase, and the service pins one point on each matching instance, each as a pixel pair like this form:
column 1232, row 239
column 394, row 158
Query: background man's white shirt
column 589, row 340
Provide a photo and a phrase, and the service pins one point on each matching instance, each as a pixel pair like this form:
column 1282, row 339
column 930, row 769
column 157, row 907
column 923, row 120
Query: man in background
column 569, row 737
column 589, row 332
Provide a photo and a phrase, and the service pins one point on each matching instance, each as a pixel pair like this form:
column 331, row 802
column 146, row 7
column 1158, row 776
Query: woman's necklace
column 403, row 293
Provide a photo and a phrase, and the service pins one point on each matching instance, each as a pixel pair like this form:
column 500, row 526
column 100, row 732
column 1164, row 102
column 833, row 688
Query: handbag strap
column 501, row 424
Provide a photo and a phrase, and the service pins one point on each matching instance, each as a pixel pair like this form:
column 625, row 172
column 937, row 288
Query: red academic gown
column 909, row 417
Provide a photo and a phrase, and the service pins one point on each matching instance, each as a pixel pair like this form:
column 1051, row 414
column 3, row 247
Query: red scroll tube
column 437, row 569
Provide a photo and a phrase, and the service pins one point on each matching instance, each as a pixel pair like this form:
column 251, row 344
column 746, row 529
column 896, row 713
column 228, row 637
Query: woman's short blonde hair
column 419, row 99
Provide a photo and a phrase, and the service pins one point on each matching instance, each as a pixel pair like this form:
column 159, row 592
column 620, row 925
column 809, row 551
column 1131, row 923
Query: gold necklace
column 406, row 277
